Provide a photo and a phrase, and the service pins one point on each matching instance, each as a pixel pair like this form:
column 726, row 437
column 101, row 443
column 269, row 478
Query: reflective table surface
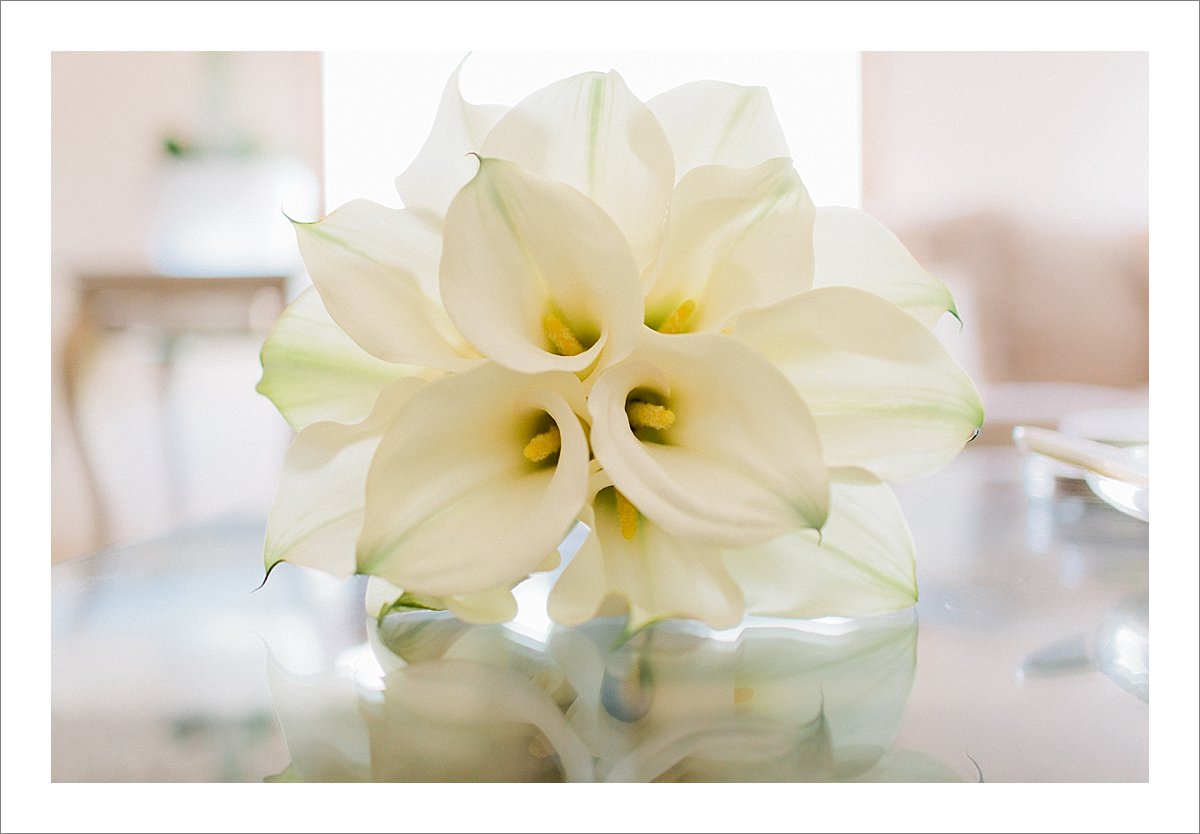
column 1025, row 660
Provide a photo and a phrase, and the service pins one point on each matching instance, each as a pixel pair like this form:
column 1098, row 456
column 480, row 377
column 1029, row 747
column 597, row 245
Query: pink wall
column 1060, row 139
column 110, row 111
column 109, row 114
column 1022, row 179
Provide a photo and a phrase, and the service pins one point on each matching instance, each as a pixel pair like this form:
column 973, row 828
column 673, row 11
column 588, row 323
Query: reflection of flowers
column 469, row 703
column 646, row 325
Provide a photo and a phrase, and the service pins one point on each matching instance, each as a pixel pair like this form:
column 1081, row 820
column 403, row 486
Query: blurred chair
column 1056, row 306
column 1058, row 320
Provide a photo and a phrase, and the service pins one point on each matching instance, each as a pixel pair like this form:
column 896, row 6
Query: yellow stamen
column 560, row 336
column 543, row 445
column 643, row 415
column 540, row 748
column 628, row 515
column 742, row 694
column 674, row 323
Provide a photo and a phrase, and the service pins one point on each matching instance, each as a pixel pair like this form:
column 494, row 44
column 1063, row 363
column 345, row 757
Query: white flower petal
column 659, row 575
column 453, row 505
column 496, row 605
column 863, row 563
column 380, row 595
column 318, row 509
column 884, row 392
column 589, row 131
column 519, row 247
column 742, row 462
column 376, row 270
column 582, row 587
column 734, row 239
column 854, row 249
column 313, row 371
column 443, row 164
column 716, row 123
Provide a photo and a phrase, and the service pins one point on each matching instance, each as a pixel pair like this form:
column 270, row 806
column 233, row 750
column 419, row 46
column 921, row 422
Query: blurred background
column 1021, row 179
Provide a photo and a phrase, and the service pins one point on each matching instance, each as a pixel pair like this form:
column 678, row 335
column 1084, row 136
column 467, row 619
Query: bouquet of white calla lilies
column 621, row 314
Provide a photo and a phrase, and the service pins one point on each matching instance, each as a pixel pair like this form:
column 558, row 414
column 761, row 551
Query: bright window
column 379, row 106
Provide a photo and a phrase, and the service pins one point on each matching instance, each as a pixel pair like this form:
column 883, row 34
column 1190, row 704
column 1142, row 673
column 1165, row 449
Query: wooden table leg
column 77, row 354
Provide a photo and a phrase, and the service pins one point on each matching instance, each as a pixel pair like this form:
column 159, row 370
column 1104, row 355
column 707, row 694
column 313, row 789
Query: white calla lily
column 376, row 270
column 862, row 563
column 535, row 274
column 318, row 510
column 734, row 239
column 443, row 164
column 716, row 123
column 590, row 132
column 708, row 440
column 853, row 249
column 885, row 394
column 313, row 371
column 476, row 482
column 655, row 575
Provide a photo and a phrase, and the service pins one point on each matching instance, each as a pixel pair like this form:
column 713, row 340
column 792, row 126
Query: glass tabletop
column 1025, row 660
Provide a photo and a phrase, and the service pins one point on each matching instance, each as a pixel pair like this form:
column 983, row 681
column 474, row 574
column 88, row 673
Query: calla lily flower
column 862, row 563
column 535, row 274
column 443, row 165
column 318, row 509
column 313, row 371
column 376, row 270
column 734, row 239
column 885, row 394
column 853, row 249
column 703, row 445
column 713, row 123
column 717, row 123
column 738, row 225
column 651, row 574
column 475, row 482
column 708, row 440
column 591, row 133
